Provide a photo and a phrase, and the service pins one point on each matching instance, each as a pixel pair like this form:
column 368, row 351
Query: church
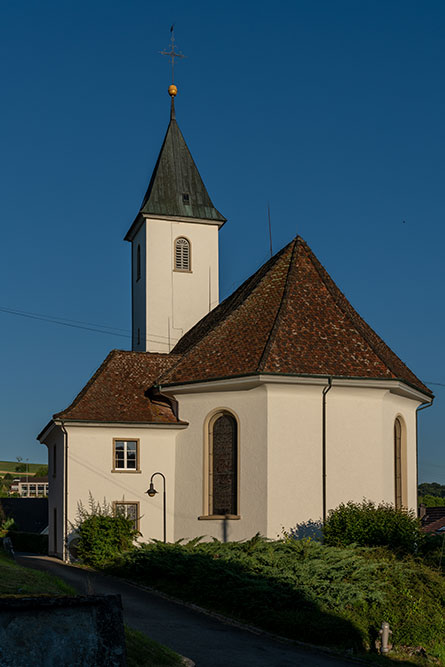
column 257, row 413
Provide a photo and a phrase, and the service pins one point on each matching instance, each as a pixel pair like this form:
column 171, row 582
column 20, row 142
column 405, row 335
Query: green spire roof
column 176, row 188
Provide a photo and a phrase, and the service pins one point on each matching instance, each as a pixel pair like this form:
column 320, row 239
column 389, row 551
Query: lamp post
column 152, row 492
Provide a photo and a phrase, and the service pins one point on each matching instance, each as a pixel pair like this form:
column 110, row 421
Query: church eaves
column 176, row 188
column 289, row 318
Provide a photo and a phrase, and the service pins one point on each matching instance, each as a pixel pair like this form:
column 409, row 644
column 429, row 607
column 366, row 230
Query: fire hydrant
column 384, row 634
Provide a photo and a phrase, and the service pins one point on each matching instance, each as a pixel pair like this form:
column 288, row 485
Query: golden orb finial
column 172, row 90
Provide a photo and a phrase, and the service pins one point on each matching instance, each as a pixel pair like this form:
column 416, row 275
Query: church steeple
column 174, row 247
column 176, row 189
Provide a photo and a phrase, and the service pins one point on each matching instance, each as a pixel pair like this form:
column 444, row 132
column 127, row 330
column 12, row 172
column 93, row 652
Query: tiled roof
column 176, row 174
column 116, row 392
column 288, row 318
column 433, row 519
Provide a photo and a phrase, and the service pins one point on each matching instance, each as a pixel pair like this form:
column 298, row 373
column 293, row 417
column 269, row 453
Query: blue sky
column 331, row 111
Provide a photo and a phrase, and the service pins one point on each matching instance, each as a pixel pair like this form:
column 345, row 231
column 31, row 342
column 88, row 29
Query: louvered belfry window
column 182, row 254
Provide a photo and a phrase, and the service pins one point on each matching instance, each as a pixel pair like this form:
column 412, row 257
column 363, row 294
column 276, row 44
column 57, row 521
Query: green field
column 9, row 466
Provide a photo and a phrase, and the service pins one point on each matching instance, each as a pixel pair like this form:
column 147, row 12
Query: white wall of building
column 173, row 301
column 250, row 407
column 280, row 458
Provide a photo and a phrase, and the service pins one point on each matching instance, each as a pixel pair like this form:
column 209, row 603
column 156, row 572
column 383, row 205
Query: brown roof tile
column 288, row 318
column 116, row 392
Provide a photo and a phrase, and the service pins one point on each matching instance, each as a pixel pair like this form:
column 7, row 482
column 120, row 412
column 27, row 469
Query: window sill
column 132, row 472
column 182, row 270
column 219, row 517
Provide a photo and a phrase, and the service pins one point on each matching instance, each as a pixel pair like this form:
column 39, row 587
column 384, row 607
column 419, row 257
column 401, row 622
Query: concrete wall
column 173, row 301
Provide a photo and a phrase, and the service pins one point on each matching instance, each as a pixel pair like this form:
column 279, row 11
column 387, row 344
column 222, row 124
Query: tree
column 42, row 471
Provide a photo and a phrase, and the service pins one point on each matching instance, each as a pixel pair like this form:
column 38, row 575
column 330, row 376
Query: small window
column 185, row 198
column 125, row 455
column 129, row 511
column 182, row 254
column 138, row 263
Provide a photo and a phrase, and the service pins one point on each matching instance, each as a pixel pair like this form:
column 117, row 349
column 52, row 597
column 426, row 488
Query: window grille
column 129, row 511
column 182, row 255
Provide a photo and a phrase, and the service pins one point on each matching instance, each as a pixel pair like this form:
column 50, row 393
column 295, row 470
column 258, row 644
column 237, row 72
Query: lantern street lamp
column 152, row 492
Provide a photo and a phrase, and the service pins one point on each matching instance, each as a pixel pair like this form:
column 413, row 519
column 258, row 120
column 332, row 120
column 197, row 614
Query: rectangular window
column 126, row 455
column 129, row 511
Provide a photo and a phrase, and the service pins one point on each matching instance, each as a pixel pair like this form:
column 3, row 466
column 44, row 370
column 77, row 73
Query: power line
column 86, row 326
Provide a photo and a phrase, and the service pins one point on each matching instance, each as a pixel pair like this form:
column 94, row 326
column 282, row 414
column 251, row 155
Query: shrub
column 32, row 542
column 301, row 589
column 101, row 535
column 367, row 524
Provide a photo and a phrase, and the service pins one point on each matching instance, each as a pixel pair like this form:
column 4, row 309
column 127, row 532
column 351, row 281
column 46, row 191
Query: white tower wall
column 167, row 302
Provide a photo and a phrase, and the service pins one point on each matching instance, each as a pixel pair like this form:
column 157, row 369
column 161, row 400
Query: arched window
column 400, row 472
column 138, row 263
column 182, row 254
column 223, row 465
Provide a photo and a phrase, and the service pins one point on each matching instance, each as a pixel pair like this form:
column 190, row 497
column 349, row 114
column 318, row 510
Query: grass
column 9, row 466
column 18, row 581
column 145, row 652
column 303, row 590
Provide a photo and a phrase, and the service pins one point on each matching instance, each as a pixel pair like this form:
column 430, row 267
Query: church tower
column 174, row 248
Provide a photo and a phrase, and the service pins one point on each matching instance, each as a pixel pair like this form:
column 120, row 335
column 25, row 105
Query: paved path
column 206, row 640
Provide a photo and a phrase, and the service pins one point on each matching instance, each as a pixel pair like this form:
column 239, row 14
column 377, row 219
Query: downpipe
column 422, row 407
column 65, row 509
column 323, row 446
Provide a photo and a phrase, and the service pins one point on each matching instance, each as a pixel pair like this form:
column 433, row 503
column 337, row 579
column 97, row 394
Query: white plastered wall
column 90, row 463
column 173, row 301
column 281, row 454
column 250, row 408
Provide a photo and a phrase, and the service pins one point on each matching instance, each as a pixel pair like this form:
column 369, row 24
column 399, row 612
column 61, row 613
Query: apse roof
column 288, row 318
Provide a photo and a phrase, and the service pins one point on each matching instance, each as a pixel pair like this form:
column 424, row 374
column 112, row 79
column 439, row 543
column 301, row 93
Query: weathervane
column 172, row 53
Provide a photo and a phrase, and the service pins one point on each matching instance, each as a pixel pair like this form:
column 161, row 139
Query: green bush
column 102, row 536
column 31, row 542
column 370, row 525
column 301, row 589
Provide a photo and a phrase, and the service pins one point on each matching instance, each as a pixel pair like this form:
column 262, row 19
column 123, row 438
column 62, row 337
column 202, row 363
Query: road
column 207, row 641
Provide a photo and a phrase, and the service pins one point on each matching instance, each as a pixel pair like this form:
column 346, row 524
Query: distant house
column 433, row 520
column 30, row 487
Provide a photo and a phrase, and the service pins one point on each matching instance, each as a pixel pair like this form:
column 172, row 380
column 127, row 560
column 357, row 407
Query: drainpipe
column 422, row 407
column 65, row 513
column 324, row 474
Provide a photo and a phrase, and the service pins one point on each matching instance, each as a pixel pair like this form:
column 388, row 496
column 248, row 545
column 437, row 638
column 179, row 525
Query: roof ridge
column 273, row 330
column 90, row 382
column 254, row 281
column 362, row 327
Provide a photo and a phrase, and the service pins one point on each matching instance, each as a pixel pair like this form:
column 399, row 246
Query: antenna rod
column 270, row 229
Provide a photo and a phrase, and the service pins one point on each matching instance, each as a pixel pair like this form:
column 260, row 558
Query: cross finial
column 172, row 53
